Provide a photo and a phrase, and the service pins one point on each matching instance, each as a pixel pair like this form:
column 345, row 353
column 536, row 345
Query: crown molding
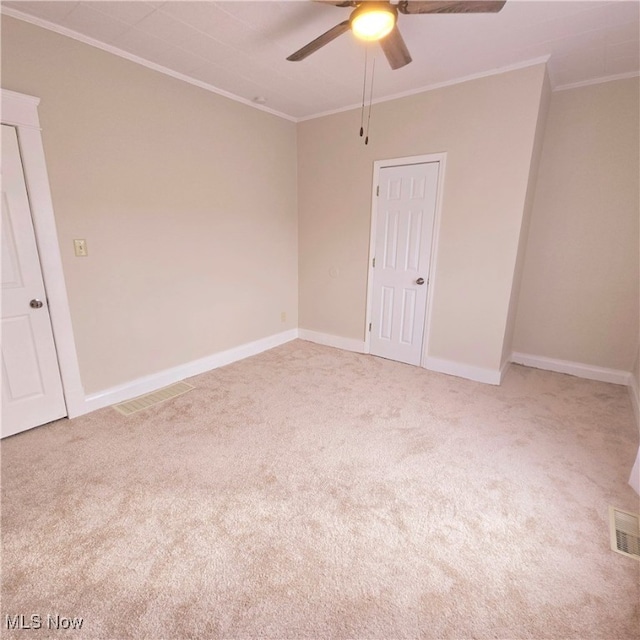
column 69, row 33
column 438, row 85
column 601, row 80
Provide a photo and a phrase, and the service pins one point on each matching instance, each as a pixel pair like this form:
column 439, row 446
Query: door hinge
column 369, row 326
column 378, row 190
column 373, row 263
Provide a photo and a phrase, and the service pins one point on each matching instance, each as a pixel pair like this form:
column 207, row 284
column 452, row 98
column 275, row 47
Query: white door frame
column 440, row 158
column 21, row 111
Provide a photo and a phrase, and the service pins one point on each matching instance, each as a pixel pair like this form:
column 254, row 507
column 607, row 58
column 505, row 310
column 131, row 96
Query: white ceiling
column 238, row 48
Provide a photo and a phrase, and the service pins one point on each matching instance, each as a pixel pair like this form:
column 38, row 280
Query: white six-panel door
column 31, row 385
column 405, row 212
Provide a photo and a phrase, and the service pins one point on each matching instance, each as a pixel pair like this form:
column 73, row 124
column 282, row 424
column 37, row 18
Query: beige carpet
column 313, row 493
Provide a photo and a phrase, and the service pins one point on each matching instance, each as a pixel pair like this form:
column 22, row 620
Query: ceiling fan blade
column 395, row 49
column 320, row 41
column 450, row 6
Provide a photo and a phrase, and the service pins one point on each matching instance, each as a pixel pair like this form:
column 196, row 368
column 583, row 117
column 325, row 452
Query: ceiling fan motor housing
column 373, row 20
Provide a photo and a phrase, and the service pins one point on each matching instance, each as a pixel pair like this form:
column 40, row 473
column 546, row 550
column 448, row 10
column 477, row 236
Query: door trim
column 441, row 159
column 21, row 111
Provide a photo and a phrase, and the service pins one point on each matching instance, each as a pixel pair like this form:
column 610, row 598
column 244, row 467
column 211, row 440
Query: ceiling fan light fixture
column 373, row 21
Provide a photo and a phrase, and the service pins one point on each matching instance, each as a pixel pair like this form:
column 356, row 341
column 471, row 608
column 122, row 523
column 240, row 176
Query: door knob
column 420, row 281
column 35, row 304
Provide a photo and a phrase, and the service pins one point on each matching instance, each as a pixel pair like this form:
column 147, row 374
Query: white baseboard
column 588, row 371
column 155, row 381
column 470, row 372
column 434, row 364
column 326, row 339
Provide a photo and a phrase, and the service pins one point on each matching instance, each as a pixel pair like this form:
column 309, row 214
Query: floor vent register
column 625, row 532
column 151, row 399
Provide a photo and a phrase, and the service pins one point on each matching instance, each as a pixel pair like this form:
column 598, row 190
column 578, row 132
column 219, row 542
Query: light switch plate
column 80, row 247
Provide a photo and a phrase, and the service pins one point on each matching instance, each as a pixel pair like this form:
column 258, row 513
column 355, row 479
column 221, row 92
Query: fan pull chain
column 373, row 70
column 364, row 88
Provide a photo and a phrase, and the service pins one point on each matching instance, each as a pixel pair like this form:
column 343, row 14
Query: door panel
column 20, row 360
column 404, row 229
column 408, row 320
column 391, row 235
column 31, row 385
column 386, row 313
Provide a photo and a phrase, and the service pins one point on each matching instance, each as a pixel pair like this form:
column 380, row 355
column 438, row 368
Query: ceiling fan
column 372, row 21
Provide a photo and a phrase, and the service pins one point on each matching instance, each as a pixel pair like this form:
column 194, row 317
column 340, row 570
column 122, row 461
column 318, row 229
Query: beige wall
column 545, row 100
column 579, row 297
column 187, row 201
column 487, row 127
